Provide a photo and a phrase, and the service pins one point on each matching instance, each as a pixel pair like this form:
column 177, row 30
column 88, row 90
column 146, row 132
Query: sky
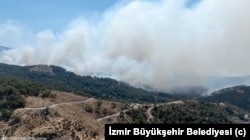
column 42, row 14
column 155, row 43
column 55, row 14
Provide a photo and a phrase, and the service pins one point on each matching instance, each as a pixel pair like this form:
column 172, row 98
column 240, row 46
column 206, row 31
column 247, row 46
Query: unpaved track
column 150, row 116
column 110, row 116
column 54, row 105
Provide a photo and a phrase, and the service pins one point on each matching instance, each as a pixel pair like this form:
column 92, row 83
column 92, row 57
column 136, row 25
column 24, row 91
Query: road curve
column 110, row 116
column 150, row 116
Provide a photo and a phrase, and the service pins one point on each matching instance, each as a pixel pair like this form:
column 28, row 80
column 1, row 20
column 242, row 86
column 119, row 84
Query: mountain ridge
column 58, row 78
column 2, row 48
column 236, row 95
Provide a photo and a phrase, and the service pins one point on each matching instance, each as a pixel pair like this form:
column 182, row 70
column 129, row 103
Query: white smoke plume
column 152, row 43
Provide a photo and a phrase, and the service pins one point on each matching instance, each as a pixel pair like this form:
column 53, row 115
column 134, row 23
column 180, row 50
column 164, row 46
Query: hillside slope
column 58, row 78
column 33, row 104
column 70, row 116
column 236, row 95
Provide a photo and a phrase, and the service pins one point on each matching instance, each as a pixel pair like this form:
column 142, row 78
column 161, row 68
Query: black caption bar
column 172, row 131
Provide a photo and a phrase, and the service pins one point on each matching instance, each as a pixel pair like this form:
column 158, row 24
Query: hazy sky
column 55, row 14
column 160, row 43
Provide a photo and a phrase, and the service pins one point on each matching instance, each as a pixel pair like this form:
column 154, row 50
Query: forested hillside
column 196, row 112
column 13, row 91
column 186, row 112
column 237, row 95
column 58, row 78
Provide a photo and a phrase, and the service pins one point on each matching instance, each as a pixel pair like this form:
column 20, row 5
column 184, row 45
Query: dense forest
column 13, row 91
column 186, row 112
column 196, row 112
column 55, row 77
column 237, row 95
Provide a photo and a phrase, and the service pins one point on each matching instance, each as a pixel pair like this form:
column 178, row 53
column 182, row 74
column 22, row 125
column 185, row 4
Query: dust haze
column 160, row 43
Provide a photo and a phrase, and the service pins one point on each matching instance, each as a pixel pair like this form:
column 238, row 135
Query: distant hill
column 2, row 48
column 236, row 95
column 218, row 82
column 105, row 88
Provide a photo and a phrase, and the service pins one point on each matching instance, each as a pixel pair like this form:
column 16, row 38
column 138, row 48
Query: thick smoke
column 160, row 44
